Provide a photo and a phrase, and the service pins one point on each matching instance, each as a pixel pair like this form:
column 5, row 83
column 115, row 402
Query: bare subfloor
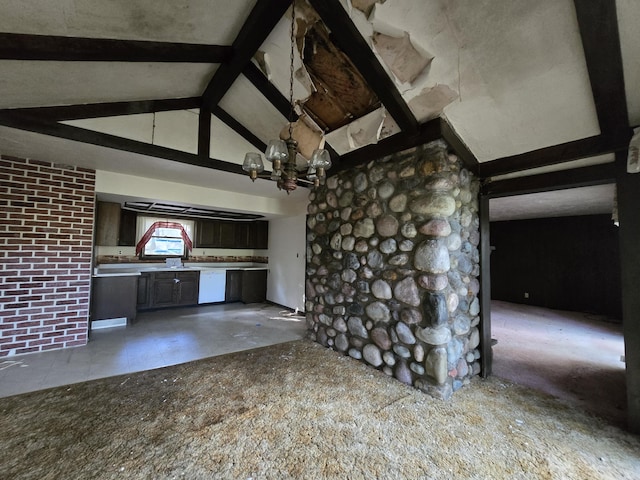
column 298, row 410
column 573, row 356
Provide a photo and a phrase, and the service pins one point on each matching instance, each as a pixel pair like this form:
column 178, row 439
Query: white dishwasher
column 212, row 285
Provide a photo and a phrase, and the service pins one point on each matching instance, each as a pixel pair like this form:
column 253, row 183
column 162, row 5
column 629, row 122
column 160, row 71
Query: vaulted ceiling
column 534, row 96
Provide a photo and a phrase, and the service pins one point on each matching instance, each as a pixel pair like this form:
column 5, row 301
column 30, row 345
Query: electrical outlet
column 119, row 252
column 526, row 294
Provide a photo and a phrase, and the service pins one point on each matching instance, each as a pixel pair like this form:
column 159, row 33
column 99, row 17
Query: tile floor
column 156, row 339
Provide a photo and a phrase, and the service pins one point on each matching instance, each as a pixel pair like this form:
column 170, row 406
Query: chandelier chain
column 291, row 58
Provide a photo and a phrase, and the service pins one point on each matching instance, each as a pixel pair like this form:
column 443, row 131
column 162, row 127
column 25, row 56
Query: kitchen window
column 163, row 237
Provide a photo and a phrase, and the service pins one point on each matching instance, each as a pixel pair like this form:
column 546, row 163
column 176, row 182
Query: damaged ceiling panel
column 402, row 58
column 341, row 93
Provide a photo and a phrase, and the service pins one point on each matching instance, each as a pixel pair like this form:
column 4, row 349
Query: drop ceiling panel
column 226, row 144
column 215, row 22
column 629, row 23
column 43, row 83
column 518, row 66
column 249, row 107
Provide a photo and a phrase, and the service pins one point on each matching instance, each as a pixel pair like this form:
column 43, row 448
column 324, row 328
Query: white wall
column 287, row 245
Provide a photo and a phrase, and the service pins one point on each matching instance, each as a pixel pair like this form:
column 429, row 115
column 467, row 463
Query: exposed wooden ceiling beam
column 110, row 109
column 578, row 177
column 239, row 128
column 60, row 130
column 598, row 24
column 347, row 37
column 17, row 46
column 259, row 24
column 455, row 142
column 427, row 132
column 565, row 152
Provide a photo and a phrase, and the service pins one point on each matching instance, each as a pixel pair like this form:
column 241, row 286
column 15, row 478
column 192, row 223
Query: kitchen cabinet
column 230, row 234
column 254, row 286
column 114, row 297
column 127, row 237
column 233, row 287
column 167, row 289
column 107, row 224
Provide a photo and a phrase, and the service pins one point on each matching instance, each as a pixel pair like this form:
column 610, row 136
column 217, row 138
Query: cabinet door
column 233, row 288
column 261, row 235
column 208, row 234
column 188, row 288
column 242, row 235
column 227, row 234
column 254, row 286
column 163, row 290
column 128, row 221
column 143, row 291
column 107, row 224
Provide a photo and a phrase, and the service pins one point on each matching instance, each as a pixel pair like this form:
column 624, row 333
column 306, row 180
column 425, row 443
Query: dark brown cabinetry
column 167, row 289
column 233, row 287
column 254, row 286
column 114, row 297
column 107, row 223
column 128, row 221
column 228, row 234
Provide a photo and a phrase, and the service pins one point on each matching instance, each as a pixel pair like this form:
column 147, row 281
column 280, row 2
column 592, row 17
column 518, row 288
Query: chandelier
column 283, row 153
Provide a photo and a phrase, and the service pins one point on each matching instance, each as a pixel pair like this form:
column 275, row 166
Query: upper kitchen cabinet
column 107, row 224
column 229, row 234
column 128, row 221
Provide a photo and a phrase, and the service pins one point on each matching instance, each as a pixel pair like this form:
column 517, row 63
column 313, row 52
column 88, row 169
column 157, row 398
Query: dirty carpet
column 298, row 410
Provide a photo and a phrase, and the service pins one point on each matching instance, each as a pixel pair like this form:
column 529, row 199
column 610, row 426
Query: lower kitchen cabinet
column 167, row 289
column 233, row 288
column 254, row 286
column 114, row 297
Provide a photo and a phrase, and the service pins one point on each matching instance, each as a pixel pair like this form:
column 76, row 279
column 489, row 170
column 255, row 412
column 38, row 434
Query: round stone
column 378, row 312
column 361, row 246
column 434, row 203
column 463, row 368
column 389, row 358
column 340, row 325
column 381, row 289
column 405, row 245
column 432, row 256
column 436, row 364
column 461, row 325
column 436, row 227
column 346, row 198
column 364, row 228
column 336, row 241
column 418, row 353
column 402, row 373
column 332, row 199
column 355, row 353
column 398, row 203
column 374, row 210
column 341, row 342
column 360, row 182
column 454, row 350
column 408, row 230
column 435, row 309
column 348, row 243
column 387, row 225
column 349, row 275
column 474, row 308
column 375, row 259
column 345, row 214
column 332, row 183
column 454, row 241
column 434, row 336
column 411, row 316
column 474, row 339
column 381, row 338
column 417, row 368
column 346, row 229
column 452, row 302
column 350, row 260
column 387, row 246
column 385, row 190
column 404, row 334
column 399, row 260
column 372, row 355
column 402, row 351
column 355, row 326
column 407, row 291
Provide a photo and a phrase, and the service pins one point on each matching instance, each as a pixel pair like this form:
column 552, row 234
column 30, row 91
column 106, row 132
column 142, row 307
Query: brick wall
column 46, row 224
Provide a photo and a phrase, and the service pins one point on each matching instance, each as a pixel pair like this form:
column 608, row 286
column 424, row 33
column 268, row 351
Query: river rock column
column 392, row 267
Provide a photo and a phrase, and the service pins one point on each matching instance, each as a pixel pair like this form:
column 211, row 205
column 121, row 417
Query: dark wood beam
column 348, row 39
column 586, row 147
column 628, row 188
column 204, row 134
column 239, row 129
column 112, row 109
column 455, row 142
column 427, row 132
column 598, row 24
column 486, row 358
column 60, row 130
column 17, row 46
column 577, row 177
column 259, row 24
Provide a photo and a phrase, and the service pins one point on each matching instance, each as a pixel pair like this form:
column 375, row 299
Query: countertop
column 135, row 269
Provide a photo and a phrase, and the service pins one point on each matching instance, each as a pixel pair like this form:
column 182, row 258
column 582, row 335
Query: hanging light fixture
column 283, row 153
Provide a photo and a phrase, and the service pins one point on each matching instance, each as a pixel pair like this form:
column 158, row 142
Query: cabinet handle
column 176, row 280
